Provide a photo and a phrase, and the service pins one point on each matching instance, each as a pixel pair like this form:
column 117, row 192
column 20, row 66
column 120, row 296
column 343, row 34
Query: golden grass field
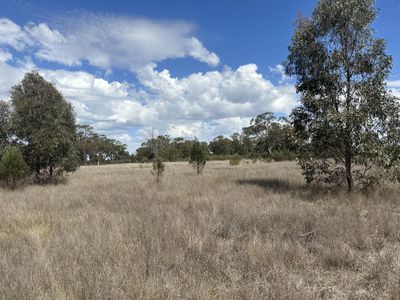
column 252, row 231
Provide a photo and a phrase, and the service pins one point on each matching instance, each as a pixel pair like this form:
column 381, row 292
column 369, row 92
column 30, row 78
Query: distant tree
column 347, row 125
column 182, row 147
column 13, row 166
column 168, row 149
column 242, row 144
column 158, row 168
column 44, row 124
column 84, row 142
column 221, row 146
column 269, row 134
column 198, row 156
column 144, row 154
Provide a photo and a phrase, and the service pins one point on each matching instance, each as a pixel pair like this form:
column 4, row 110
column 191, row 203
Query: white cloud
column 13, row 35
column 215, row 95
column 394, row 86
column 11, row 75
column 280, row 71
column 123, row 138
column 208, row 130
column 107, row 41
column 78, row 85
column 197, row 51
column 5, row 56
column 202, row 104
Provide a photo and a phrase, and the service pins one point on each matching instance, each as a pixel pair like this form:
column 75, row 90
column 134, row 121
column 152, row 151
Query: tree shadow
column 305, row 192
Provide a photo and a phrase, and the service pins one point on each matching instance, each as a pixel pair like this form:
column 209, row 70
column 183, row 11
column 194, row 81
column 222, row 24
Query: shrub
column 282, row 156
column 198, row 156
column 158, row 167
column 235, row 160
column 13, row 166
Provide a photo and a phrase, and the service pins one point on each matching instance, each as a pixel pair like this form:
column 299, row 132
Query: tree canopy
column 43, row 123
column 347, row 124
column 198, row 156
column 94, row 148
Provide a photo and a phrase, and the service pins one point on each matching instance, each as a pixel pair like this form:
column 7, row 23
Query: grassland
column 252, row 231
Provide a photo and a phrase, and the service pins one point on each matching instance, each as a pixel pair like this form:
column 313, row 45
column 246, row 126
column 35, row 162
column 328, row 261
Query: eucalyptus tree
column 43, row 123
column 5, row 113
column 347, row 123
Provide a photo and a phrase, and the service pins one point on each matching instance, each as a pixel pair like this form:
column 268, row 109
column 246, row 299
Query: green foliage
column 221, row 146
column 268, row 134
column 235, row 160
column 347, row 126
column 282, row 156
column 98, row 149
column 198, row 156
column 5, row 113
column 158, row 167
column 168, row 149
column 70, row 162
column 13, row 166
column 43, row 123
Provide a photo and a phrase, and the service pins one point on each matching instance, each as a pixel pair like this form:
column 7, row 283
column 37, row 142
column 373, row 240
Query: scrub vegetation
column 254, row 230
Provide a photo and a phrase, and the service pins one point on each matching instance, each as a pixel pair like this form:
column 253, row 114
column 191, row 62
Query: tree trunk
column 349, row 175
column 51, row 171
column 348, row 155
column 37, row 173
column 198, row 168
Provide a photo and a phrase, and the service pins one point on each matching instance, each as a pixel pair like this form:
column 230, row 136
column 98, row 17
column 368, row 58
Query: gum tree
column 347, row 123
column 43, row 123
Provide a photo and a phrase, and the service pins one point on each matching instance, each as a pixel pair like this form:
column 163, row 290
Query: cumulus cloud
column 215, row 95
column 280, row 71
column 107, row 41
column 13, row 35
column 78, row 85
column 5, row 56
column 11, row 74
column 202, row 104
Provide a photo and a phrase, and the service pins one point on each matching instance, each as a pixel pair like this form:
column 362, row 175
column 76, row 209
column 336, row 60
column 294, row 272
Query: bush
column 197, row 156
column 235, row 160
column 158, row 167
column 282, row 156
column 13, row 166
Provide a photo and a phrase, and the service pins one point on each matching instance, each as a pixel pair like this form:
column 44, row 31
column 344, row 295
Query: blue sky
column 183, row 68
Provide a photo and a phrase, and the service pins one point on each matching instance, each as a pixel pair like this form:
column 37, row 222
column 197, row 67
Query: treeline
column 94, row 148
column 267, row 137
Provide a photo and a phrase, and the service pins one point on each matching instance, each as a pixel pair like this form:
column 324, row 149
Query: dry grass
column 249, row 231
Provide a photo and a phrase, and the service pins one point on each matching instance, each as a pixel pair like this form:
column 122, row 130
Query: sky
column 189, row 68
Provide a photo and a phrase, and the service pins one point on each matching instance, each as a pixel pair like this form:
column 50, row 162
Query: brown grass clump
column 252, row 231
